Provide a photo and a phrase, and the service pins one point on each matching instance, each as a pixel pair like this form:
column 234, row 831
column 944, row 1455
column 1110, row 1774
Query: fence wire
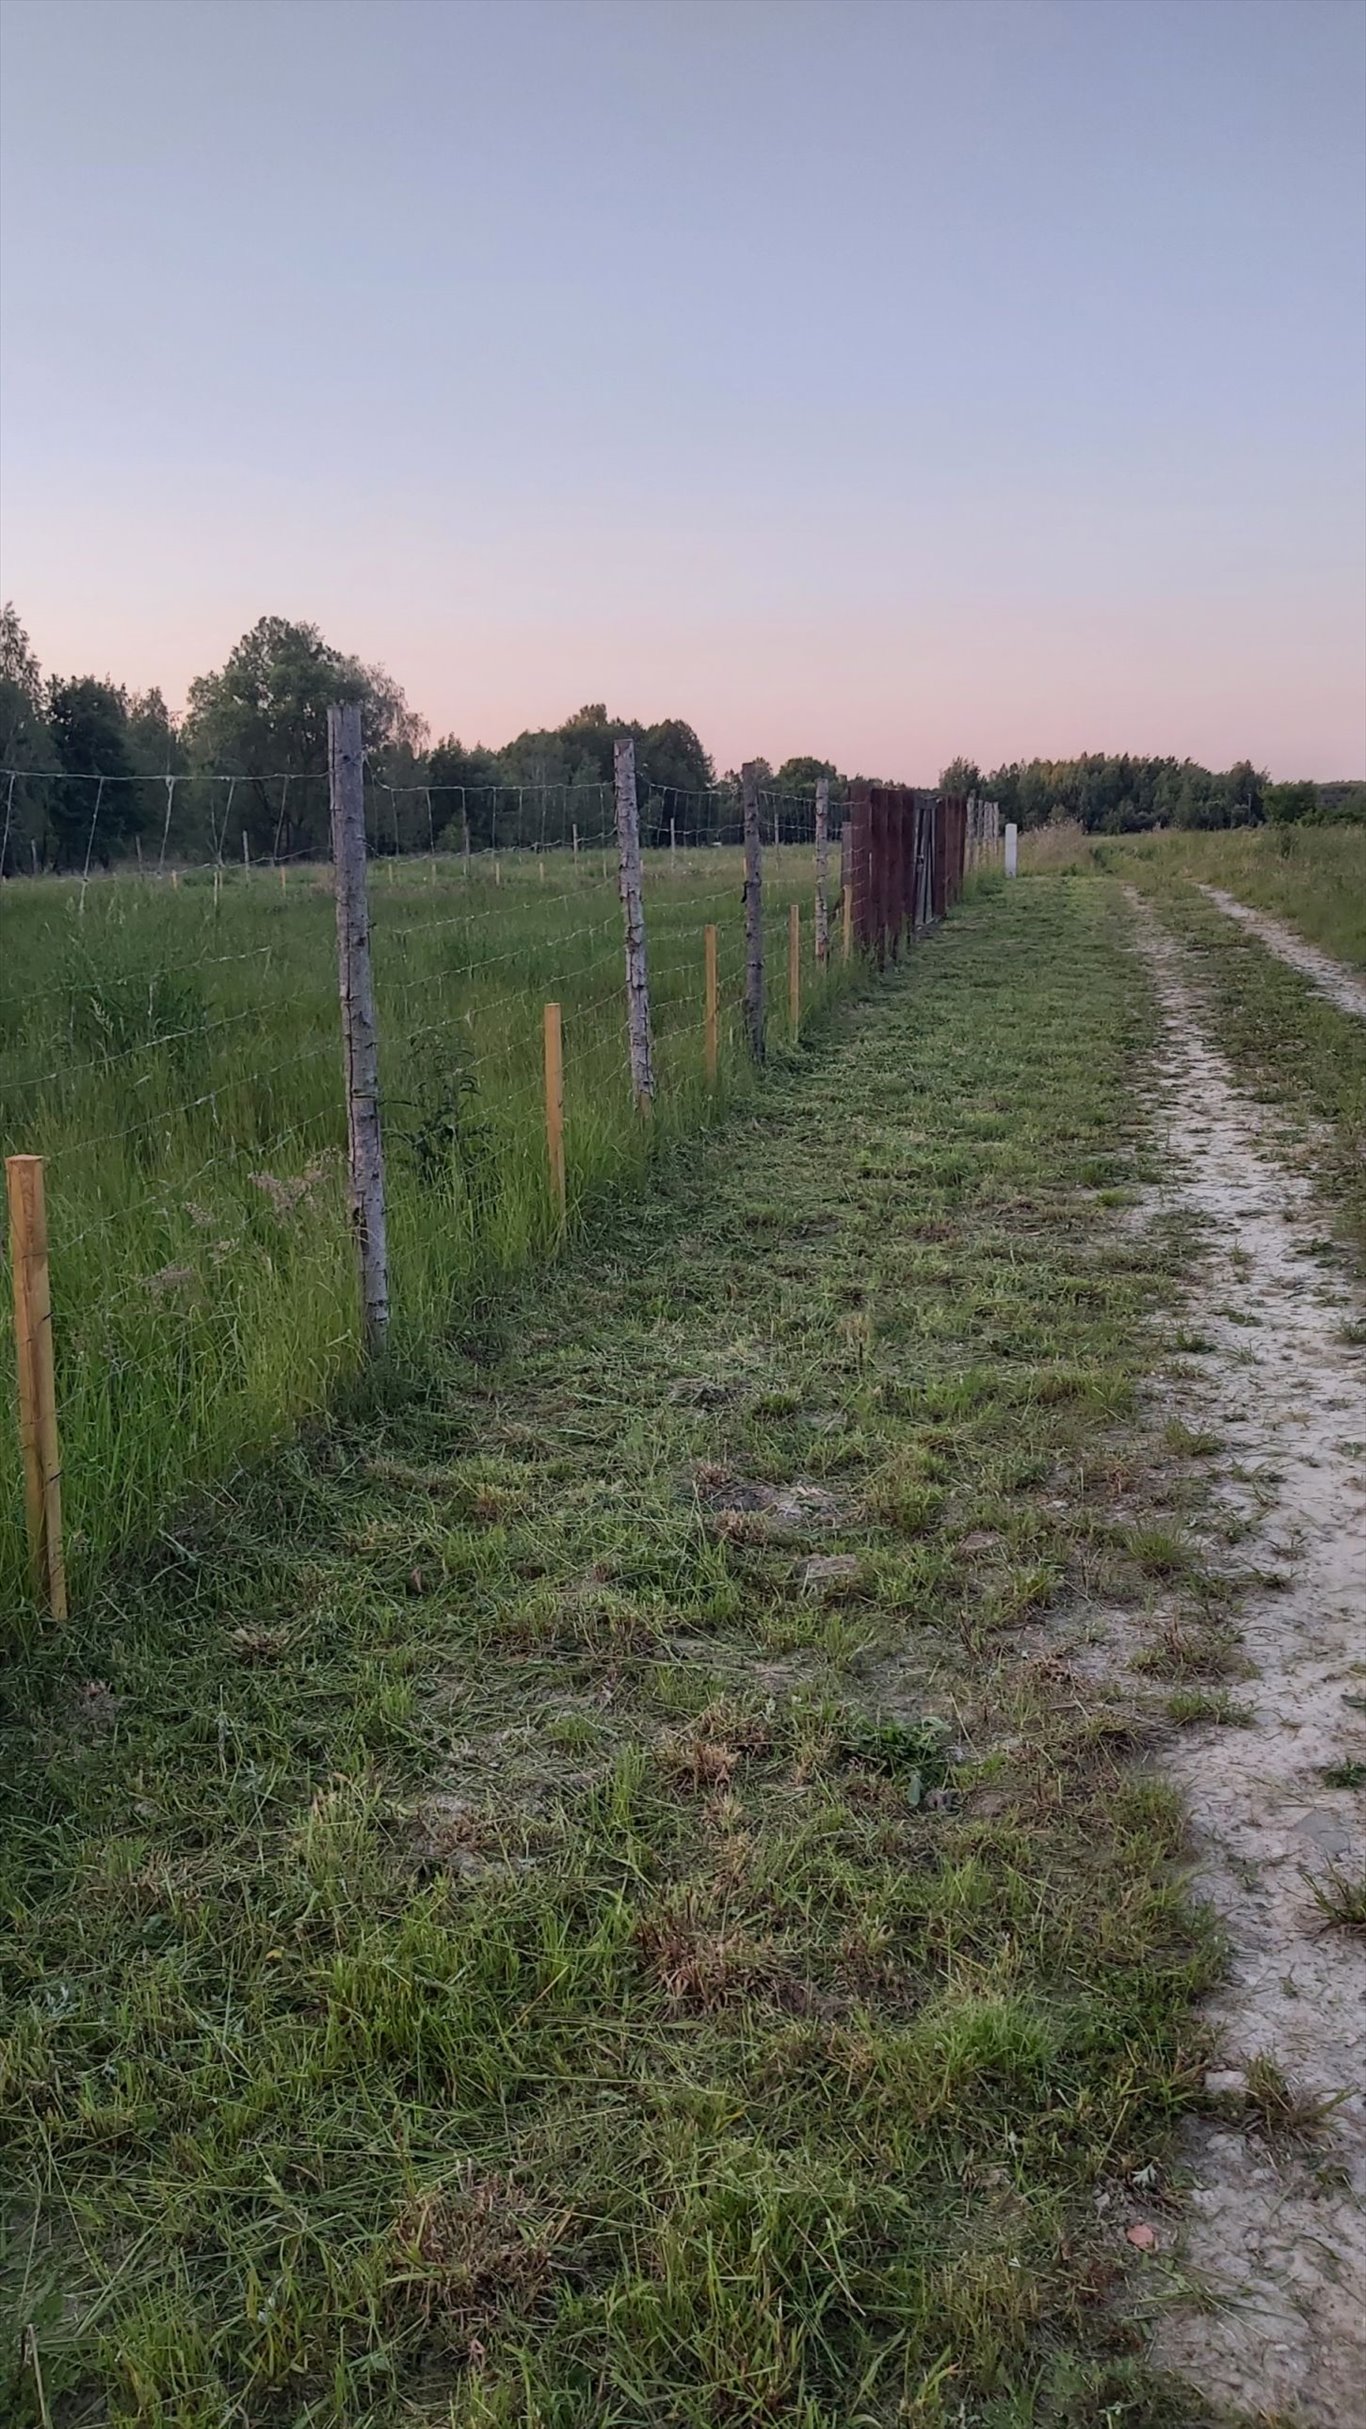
column 171, row 1048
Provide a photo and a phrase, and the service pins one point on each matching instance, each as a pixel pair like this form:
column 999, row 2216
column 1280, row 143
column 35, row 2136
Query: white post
column 632, row 902
column 360, row 1043
column 1012, row 850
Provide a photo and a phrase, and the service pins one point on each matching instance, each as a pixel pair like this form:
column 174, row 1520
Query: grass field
column 1302, row 1054
column 1312, row 877
column 493, row 1937
column 175, row 1055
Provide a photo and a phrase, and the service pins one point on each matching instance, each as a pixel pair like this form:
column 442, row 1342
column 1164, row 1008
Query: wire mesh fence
column 172, row 1052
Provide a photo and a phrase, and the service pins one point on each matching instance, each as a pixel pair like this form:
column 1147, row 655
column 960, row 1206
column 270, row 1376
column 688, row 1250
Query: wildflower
column 171, row 1277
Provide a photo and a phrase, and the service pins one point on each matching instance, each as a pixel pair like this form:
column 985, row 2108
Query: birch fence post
column 711, row 996
column 37, row 1379
column 554, row 1107
column 794, row 967
column 360, row 1043
column 639, row 1040
column 822, row 871
column 754, row 911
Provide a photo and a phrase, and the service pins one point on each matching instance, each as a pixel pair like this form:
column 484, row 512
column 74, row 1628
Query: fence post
column 360, row 1044
column 794, row 967
column 881, row 873
column 754, row 911
column 37, row 1379
column 633, row 906
column 822, row 871
column 847, row 907
column 711, row 997
column 858, row 853
column 554, row 1106
column 1012, row 849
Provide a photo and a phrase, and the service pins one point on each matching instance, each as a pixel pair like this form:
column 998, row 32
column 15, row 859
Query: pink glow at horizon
column 580, row 379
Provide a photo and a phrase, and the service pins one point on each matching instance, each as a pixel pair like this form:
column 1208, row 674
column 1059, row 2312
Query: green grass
column 1297, row 1051
column 175, row 1056
column 493, row 1936
column 1314, row 878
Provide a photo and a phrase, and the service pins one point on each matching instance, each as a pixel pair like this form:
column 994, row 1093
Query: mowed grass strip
column 494, row 1935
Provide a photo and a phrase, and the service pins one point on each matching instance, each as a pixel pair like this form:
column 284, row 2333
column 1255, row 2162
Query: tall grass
column 1314, row 877
column 175, row 1056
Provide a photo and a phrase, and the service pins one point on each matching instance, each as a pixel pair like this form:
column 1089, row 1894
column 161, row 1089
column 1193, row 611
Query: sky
column 883, row 380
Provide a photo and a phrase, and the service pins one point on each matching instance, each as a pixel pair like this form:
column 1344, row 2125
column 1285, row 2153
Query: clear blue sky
column 882, row 379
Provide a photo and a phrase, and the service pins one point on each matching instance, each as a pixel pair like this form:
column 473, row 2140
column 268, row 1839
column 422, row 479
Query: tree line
column 1114, row 793
column 96, row 773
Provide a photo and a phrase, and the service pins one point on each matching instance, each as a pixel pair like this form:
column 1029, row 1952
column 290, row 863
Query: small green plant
column 1340, row 1898
column 1191, row 1706
column 1280, row 2110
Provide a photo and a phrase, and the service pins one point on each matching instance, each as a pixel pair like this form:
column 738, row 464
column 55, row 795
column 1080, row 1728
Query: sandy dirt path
column 1276, row 2231
column 1331, row 978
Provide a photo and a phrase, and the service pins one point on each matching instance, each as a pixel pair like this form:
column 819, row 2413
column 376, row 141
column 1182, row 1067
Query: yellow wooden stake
column 794, row 966
column 37, row 1379
column 713, row 995
column 848, row 908
column 554, row 1105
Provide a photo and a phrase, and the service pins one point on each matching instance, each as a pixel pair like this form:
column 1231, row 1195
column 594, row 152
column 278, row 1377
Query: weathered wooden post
column 554, row 1107
column 858, row 863
column 822, row 871
column 754, row 911
column 1012, row 849
column 37, row 1379
column 360, row 1042
column 639, row 1040
column 847, row 907
column 711, row 1002
column 794, row 967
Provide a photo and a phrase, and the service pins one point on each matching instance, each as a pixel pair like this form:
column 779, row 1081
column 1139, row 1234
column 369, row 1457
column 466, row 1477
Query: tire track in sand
column 1328, row 977
column 1276, row 2232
